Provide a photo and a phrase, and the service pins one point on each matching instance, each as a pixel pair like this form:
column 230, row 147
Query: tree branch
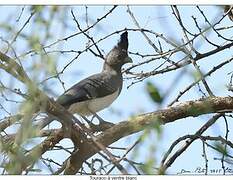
column 148, row 120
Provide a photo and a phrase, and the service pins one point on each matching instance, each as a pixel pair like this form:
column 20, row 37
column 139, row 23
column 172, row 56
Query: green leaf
column 158, row 128
column 147, row 167
column 196, row 75
column 51, row 65
column 55, row 8
column 34, row 43
column 154, row 92
column 220, row 148
column 37, row 8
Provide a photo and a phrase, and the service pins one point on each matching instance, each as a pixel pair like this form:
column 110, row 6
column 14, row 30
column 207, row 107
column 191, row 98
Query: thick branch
column 138, row 123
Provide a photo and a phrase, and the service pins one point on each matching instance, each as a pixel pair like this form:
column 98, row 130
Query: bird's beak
column 128, row 60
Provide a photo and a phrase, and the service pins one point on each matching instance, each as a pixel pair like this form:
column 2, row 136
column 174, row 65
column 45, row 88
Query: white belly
column 85, row 108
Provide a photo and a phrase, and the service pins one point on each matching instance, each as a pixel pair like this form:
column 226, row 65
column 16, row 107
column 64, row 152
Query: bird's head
column 118, row 56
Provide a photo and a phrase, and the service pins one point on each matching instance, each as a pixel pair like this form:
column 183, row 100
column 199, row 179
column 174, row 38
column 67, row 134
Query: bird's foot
column 89, row 122
column 103, row 122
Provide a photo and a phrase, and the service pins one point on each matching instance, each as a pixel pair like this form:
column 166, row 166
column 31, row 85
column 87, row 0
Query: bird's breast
column 94, row 105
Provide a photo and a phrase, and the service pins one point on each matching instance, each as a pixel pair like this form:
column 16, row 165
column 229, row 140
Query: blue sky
column 135, row 99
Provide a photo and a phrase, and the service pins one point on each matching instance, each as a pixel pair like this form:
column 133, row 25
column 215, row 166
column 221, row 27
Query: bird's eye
column 123, row 54
column 120, row 56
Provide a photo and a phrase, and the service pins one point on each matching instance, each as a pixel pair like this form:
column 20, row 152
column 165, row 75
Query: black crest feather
column 123, row 43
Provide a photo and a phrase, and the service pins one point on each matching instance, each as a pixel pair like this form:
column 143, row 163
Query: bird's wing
column 95, row 86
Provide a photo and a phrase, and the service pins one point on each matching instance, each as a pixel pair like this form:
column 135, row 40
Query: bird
column 100, row 90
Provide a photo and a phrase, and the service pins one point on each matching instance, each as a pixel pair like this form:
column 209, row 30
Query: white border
column 141, row 177
column 109, row 2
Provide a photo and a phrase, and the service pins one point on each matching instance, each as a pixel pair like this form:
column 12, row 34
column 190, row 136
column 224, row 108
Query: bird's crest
column 123, row 43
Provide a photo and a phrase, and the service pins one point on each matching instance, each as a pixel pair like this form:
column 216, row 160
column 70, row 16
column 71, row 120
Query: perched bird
column 98, row 91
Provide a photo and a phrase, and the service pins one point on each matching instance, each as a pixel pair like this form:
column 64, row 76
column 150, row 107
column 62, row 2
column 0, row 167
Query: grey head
column 118, row 56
